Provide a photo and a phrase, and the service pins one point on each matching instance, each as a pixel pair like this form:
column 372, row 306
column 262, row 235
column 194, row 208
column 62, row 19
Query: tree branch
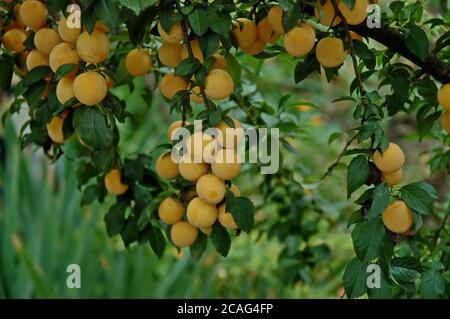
column 339, row 158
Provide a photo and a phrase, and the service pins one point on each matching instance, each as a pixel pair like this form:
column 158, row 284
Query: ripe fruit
column 90, row 88
column 13, row 40
column 45, row 40
column 64, row 89
column 355, row 36
column 397, row 217
column 220, row 62
column 218, row 84
column 166, row 167
column 211, row 189
column 35, row 59
column 170, row 211
column 330, row 52
column 174, row 127
column 183, row 234
column 391, row 160
column 170, row 54
column 195, row 50
column 394, row 178
column 55, row 128
column 231, row 137
column 192, row 171
column 67, row 34
column 63, row 53
column 244, row 32
column 113, row 183
column 444, row 96
column 196, row 96
column 226, row 219
column 138, row 62
column 356, row 15
column 171, row 84
column 201, row 214
column 207, row 230
column 275, row 19
column 445, row 121
column 226, row 164
column 235, row 190
column 255, row 48
column 326, row 14
column 201, row 147
column 299, row 41
column 33, row 13
column 265, row 31
column 175, row 34
column 93, row 48
column 101, row 27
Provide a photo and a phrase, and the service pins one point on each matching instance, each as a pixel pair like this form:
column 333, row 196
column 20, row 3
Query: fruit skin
column 330, row 52
column 201, row 147
column 397, row 217
column 201, row 214
column 326, row 13
column 166, row 167
column 196, row 96
column 391, row 160
column 275, row 18
column 35, row 59
column 355, row 36
column 175, row 34
column 231, row 137
column 207, row 230
column 138, row 62
column 55, row 128
column 226, row 164
column 218, row 84
column 68, row 34
column 394, row 178
column 45, row 40
column 247, row 35
column 443, row 96
column 33, row 13
column 220, row 62
column 192, row 171
column 211, row 189
column 64, row 89
column 265, row 31
column 101, row 27
column 63, row 53
column 13, row 40
column 183, row 234
column 299, row 41
column 226, row 219
column 195, row 45
column 358, row 14
column 445, row 121
column 171, row 84
column 170, row 54
column 170, row 211
column 90, row 88
column 93, row 48
column 255, row 48
column 114, row 184
column 174, row 127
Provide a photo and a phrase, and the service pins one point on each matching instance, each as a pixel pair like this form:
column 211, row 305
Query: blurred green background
column 43, row 229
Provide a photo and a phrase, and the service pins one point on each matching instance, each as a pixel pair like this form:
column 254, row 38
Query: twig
column 339, row 158
column 438, row 232
column 191, row 55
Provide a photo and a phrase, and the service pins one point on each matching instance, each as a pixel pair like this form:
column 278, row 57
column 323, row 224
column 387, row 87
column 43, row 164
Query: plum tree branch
column 339, row 158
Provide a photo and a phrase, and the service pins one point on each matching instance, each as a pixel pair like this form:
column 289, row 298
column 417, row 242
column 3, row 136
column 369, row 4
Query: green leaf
column 357, row 174
column 6, row 71
column 381, row 198
column 355, row 217
column 156, row 240
column 199, row 247
column 418, row 198
column 355, row 277
column 115, row 218
column 220, row 22
column 234, row 68
column 187, row 67
column 90, row 194
column 108, row 12
column 215, row 116
column 221, row 239
column 385, row 290
column 243, row 211
column 65, row 69
column 405, row 269
column 368, row 240
column 35, row 75
column 198, row 20
column 417, row 41
column 433, row 285
column 92, row 128
column 304, row 68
